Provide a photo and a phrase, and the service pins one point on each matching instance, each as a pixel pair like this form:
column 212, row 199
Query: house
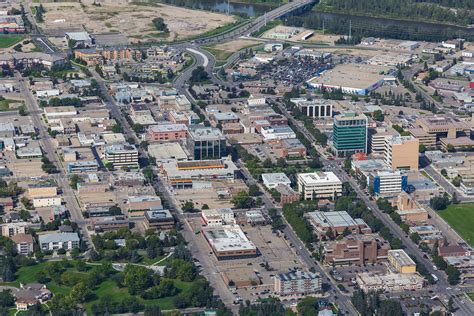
column 31, row 294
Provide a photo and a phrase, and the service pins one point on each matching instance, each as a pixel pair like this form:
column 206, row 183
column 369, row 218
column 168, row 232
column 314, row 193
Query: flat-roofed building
column 138, row 204
column 350, row 133
column 272, row 180
column 319, row 185
column 159, row 219
column 356, row 249
column 390, row 282
column 425, row 138
column 42, row 190
column 12, row 229
column 337, row 222
column 110, row 223
column 229, row 242
column 401, row 152
column 167, row 132
column 320, row 108
column 377, row 137
column 401, row 262
column 217, row 217
column 206, row 143
column 298, row 283
column 85, row 166
column 388, row 182
column 288, row 148
column 358, row 79
column 47, row 201
column 287, row 194
column 167, row 152
column 56, row 112
column 181, row 174
column 121, row 155
column 277, row 132
column 443, row 126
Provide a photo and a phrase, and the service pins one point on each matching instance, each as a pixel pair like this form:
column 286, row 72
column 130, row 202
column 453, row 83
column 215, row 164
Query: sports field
column 9, row 40
column 461, row 219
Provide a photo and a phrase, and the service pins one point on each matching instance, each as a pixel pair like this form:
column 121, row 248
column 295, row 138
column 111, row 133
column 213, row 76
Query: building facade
column 350, row 134
column 319, row 185
column 297, row 283
column 401, row 152
column 206, row 143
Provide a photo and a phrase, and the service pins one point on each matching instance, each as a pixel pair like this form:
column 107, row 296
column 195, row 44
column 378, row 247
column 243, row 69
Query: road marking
column 206, row 61
column 46, row 45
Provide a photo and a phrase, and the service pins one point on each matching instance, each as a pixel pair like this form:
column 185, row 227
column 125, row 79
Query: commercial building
column 391, row 282
column 317, row 108
column 82, row 166
column 159, row 219
column 23, row 243
column 42, row 190
column 272, row 180
column 377, row 138
column 217, row 217
column 356, row 249
column 121, row 155
column 110, row 223
column 410, row 210
column 319, row 185
column 277, row 132
column 359, row 79
column 337, row 223
column 298, row 283
column 388, row 183
column 182, row 174
column 229, row 242
column 287, row 194
column 55, row 241
column 167, row 132
column 401, row 152
column 139, row 204
column 291, row 147
column 30, row 59
column 167, row 152
column 12, row 24
column 47, row 201
column 206, row 143
column 443, row 126
column 350, row 134
column 401, row 262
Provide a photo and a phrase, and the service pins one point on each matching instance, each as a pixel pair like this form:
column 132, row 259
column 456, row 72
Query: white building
column 297, row 283
column 47, row 93
column 272, row 180
column 218, row 217
column 55, row 241
column 276, row 132
column 121, row 155
column 12, row 229
column 314, row 108
column 391, row 282
column 47, row 201
column 388, row 183
column 319, row 185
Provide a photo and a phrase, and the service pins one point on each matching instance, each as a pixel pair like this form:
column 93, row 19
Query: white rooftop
column 318, row 177
column 227, row 238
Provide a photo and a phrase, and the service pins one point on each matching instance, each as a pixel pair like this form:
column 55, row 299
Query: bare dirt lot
column 132, row 20
column 233, row 46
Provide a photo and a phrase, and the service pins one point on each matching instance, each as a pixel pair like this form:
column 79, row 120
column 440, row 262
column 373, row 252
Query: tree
column 6, row 299
column 415, row 237
column 199, row 75
column 117, row 128
column 254, row 190
column 137, row 278
column 160, row 25
column 188, row 206
column 378, row 115
column 422, row 148
column 308, row 306
column 438, row 203
column 453, row 274
column 347, row 164
column 115, row 210
column 137, row 128
column 450, row 148
column 80, row 292
column 74, row 180
column 152, row 310
column 243, row 200
column 444, row 173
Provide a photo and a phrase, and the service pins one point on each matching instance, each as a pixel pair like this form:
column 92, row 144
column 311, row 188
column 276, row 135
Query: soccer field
column 461, row 219
column 9, row 40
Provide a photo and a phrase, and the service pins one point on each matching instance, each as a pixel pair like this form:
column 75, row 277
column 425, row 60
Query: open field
column 5, row 104
column 132, row 20
column 223, row 51
column 10, row 40
column 461, row 219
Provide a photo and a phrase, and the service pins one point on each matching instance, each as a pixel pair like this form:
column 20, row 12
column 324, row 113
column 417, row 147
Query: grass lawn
column 461, row 219
column 10, row 40
column 5, row 104
column 221, row 55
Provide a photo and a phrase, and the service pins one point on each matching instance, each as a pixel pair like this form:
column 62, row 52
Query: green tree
column 415, row 237
column 188, row 206
column 254, row 190
column 137, row 278
column 308, row 306
column 243, row 200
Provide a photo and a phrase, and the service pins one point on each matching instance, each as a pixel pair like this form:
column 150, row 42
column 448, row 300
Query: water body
column 247, row 9
column 385, row 27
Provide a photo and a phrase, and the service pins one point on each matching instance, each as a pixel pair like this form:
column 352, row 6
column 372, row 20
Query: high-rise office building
column 206, row 143
column 350, row 134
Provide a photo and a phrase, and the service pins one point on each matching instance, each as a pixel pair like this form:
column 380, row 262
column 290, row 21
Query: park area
column 10, row 40
column 132, row 19
column 461, row 218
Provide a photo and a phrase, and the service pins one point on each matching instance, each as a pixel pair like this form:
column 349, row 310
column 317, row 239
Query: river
column 245, row 9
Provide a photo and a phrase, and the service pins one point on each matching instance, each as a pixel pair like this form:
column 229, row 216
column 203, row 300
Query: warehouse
column 359, row 79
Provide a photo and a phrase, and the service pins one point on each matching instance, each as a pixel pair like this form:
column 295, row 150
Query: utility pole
column 323, row 26
column 228, row 7
column 265, row 18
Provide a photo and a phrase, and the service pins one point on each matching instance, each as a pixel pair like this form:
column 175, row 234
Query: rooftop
column 298, row 275
column 277, row 177
column 58, row 237
column 402, row 257
column 227, row 238
column 334, row 219
column 205, row 133
column 161, row 128
column 318, row 177
column 167, row 151
column 156, row 214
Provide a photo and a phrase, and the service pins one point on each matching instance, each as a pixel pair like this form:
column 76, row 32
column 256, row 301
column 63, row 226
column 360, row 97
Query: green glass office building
column 349, row 134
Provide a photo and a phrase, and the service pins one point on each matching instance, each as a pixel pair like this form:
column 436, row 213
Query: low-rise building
column 272, row 180
column 159, row 219
column 277, row 132
column 390, row 282
column 167, row 132
column 388, row 183
column 138, row 204
column 121, row 155
column 229, row 242
column 23, row 243
column 47, row 201
column 297, row 283
column 320, row 108
column 14, row 228
column 287, row 194
column 55, row 241
column 217, row 217
column 319, row 185
column 401, row 262
column 410, row 210
column 337, row 222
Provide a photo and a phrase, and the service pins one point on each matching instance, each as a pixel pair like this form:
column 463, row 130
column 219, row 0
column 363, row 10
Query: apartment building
column 401, row 152
column 319, row 185
column 298, row 283
column 401, row 261
column 55, row 241
column 23, row 243
column 316, row 108
column 12, row 229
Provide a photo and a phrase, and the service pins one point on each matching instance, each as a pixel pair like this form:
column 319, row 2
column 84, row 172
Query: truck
column 435, row 278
